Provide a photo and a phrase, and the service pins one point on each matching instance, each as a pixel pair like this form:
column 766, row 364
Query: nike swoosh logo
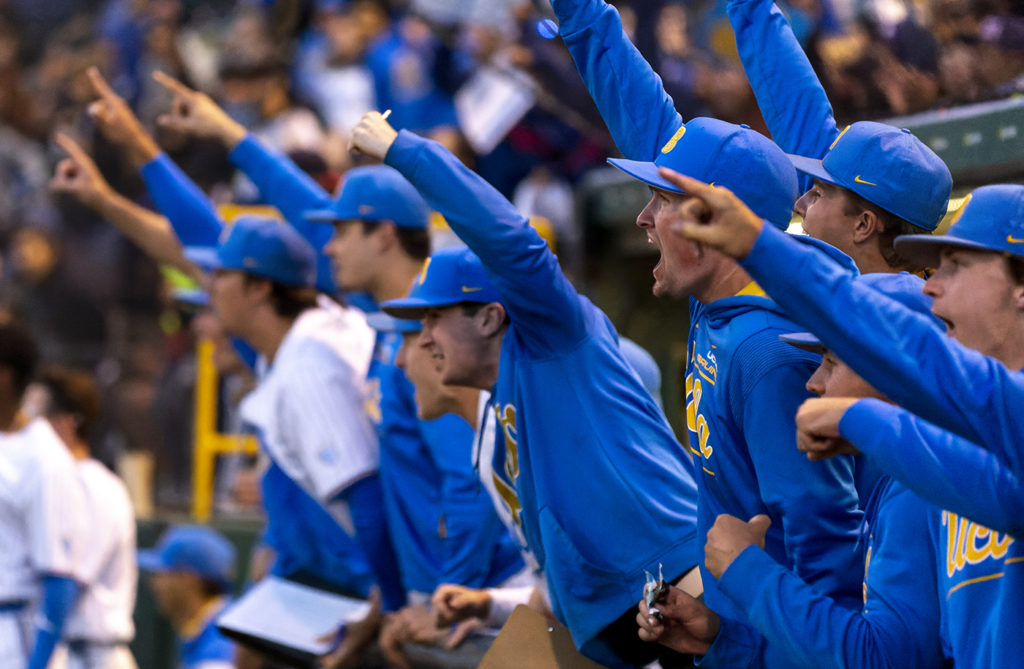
column 467, row 289
column 861, row 181
column 1014, row 240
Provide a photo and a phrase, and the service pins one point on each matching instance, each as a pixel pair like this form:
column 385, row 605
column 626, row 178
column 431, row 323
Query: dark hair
column 1015, row 264
column 415, row 242
column 212, row 587
column 18, row 353
column 287, row 301
column 470, row 309
column 892, row 227
column 72, row 392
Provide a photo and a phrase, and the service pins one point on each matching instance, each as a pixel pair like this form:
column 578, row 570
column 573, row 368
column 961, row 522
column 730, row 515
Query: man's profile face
column 455, row 344
column 433, row 398
column 679, row 271
column 834, row 378
column 975, row 295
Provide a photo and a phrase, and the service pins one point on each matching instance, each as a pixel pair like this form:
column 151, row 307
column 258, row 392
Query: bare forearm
column 148, row 230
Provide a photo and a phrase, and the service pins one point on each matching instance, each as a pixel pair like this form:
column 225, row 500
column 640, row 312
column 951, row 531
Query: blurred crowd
column 487, row 78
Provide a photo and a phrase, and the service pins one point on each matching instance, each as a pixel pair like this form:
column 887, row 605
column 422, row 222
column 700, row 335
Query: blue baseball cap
column 886, row 166
column 192, row 548
column 450, row 276
column 381, row 322
column 725, row 154
column 991, row 218
column 262, row 247
column 375, row 193
column 903, row 287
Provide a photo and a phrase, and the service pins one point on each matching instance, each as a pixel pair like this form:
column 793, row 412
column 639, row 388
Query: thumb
column 760, row 524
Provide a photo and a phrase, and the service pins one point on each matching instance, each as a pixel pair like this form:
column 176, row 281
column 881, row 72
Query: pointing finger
column 172, row 84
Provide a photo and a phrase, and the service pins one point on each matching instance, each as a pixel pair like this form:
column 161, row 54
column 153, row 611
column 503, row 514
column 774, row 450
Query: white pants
column 16, row 638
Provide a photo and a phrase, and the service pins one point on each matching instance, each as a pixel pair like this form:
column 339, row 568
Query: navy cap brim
column 812, row 167
column 382, row 322
column 644, row 171
column 925, row 250
column 150, row 559
column 803, row 340
column 204, row 256
column 413, row 308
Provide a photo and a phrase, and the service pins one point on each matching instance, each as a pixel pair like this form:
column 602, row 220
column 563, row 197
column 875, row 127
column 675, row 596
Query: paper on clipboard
column 291, row 615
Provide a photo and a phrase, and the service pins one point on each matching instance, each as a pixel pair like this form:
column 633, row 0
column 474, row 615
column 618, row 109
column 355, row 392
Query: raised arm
column 792, row 100
column 515, row 256
column 78, row 177
column 941, row 468
column 898, row 351
column 189, row 211
column 629, row 94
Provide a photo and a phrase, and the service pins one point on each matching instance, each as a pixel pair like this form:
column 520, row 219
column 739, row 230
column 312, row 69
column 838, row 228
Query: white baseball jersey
column 109, row 571
column 308, row 407
column 42, row 528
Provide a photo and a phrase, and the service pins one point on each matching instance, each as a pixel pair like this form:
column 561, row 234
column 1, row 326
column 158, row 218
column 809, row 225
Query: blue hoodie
column 903, row 355
column 743, row 386
column 591, row 469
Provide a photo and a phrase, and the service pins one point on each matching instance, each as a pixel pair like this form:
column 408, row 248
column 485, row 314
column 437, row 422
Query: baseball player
column 871, row 181
column 307, row 408
column 898, row 624
column 40, row 518
column 567, row 458
column 978, row 292
column 191, row 573
column 100, row 626
column 743, row 386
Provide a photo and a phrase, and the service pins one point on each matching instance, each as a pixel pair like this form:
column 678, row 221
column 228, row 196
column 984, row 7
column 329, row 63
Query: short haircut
column 1015, row 265
column 18, row 353
column 72, row 392
column 212, row 587
column 415, row 242
column 892, row 227
column 287, row 301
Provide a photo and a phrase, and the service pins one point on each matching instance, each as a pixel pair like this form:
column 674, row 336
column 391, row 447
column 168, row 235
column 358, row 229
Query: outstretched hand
column 729, row 536
column 372, row 136
column 118, row 123
column 194, row 113
column 685, row 625
column 817, row 427
column 78, row 175
column 714, row 216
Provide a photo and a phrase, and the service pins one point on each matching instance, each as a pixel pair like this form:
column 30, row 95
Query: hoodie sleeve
column 950, row 472
column 899, row 352
column 627, row 91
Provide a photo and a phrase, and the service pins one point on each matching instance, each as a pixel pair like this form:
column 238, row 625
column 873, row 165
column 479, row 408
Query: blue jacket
column 899, row 352
column 441, row 524
column 593, row 473
column 903, row 355
column 208, row 646
column 897, row 626
column 980, row 565
column 792, row 100
column 756, row 381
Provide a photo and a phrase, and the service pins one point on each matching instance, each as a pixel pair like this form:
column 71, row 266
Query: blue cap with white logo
column 725, row 154
column 262, row 247
column 903, row 287
column 450, row 276
column 991, row 218
column 889, row 167
column 192, row 548
column 375, row 193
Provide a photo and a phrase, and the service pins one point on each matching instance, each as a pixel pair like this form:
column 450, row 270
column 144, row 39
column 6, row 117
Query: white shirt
column 308, row 407
column 42, row 526
column 104, row 609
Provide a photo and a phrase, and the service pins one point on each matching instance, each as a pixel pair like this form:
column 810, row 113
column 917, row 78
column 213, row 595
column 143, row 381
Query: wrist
column 232, row 133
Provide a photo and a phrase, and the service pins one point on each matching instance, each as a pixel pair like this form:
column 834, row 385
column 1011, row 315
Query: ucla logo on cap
column 671, row 144
column 365, row 209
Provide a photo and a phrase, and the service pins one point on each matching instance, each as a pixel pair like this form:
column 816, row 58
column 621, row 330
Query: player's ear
column 868, row 223
column 492, row 319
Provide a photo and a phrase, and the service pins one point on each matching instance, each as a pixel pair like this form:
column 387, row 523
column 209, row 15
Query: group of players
column 872, row 526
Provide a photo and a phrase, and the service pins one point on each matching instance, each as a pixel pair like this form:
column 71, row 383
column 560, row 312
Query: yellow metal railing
column 209, row 443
